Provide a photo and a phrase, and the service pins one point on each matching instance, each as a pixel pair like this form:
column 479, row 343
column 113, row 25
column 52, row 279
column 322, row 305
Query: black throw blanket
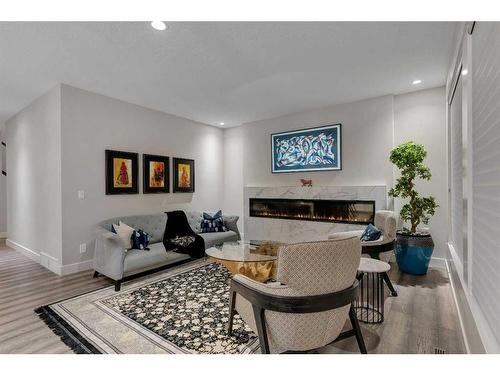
column 180, row 237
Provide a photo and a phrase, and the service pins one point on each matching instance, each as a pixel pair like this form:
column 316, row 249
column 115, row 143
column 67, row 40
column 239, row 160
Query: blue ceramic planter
column 413, row 252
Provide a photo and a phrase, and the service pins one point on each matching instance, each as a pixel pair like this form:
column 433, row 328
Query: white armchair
column 382, row 248
column 309, row 304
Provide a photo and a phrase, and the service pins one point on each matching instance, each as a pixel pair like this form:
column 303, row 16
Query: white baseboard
column 437, row 262
column 77, row 267
column 490, row 343
column 461, row 319
column 23, row 250
column 3, row 234
column 51, row 263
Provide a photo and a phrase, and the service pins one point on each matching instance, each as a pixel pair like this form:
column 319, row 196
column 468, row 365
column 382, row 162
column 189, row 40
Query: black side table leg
column 389, row 284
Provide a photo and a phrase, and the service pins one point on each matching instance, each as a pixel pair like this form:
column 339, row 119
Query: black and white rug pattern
column 184, row 310
column 190, row 310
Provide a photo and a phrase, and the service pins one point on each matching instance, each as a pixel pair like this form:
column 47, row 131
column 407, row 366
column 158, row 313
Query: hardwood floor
column 26, row 285
column 423, row 317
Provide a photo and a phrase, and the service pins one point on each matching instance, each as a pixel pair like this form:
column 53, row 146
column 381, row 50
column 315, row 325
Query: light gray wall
column 3, row 185
column 370, row 129
column 34, row 176
column 74, row 127
column 92, row 123
column 234, row 172
column 367, row 138
column 421, row 117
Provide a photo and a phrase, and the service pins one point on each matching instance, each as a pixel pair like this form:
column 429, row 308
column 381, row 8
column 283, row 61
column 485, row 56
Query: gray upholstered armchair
column 309, row 304
column 383, row 247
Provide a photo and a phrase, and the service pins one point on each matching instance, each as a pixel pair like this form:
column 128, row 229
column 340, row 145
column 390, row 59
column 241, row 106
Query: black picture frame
column 111, row 188
column 146, row 175
column 338, row 126
column 181, row 189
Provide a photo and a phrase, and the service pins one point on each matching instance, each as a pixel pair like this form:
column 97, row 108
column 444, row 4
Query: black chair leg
column 389, row 284
column 357, row 330
column 96, row 274
column 232, row 301
column 261, row 329
column 118, row 285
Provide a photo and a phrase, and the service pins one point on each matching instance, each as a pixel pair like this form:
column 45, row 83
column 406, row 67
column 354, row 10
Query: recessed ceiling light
column 158, row 25
column 221, row 123
column 417, row 82
column 464, row 72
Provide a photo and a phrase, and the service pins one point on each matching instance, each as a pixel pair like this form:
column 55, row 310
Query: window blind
column 456, row 172
column 486, row 170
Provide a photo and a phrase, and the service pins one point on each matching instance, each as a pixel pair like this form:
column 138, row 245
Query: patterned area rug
column 184, row 310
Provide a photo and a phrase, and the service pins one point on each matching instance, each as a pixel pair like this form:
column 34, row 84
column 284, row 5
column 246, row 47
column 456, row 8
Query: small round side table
column 369, row 305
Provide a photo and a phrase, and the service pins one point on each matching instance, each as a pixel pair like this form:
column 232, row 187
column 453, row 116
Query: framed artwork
column 183, row 175
column 155, row 173
column 121, row 172
column 307, row 150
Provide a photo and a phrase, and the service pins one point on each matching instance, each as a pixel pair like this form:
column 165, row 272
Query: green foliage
column 409, row 159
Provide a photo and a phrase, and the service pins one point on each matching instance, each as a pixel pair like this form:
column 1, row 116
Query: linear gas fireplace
column 335, row 211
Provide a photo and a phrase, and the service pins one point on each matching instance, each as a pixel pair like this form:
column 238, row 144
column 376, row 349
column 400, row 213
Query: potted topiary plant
column 413, row 247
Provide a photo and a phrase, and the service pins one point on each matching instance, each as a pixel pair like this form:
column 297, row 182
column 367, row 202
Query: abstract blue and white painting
column 307, row 150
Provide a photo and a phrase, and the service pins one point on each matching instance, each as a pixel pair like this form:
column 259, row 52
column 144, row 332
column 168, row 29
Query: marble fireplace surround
column 258, row 228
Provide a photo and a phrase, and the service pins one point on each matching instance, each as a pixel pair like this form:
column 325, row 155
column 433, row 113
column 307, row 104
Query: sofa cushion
column 217, row 238
column 194, row 220
column 212, row 223
column 125, row 233
column 140, row 240
column 371, row 233
column 137, row 260
column 230, row 222
column 153, row 224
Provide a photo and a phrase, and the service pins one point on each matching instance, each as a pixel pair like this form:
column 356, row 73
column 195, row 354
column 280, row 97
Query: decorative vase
column 413, row 252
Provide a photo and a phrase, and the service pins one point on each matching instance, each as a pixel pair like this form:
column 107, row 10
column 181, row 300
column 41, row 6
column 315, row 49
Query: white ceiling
column 222, row 72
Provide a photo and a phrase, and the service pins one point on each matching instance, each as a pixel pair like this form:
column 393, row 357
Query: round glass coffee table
column 255, row 259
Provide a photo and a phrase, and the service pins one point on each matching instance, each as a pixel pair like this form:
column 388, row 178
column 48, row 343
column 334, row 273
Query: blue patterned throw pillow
column 140, row 240
column 371, row 233
column 212, row 223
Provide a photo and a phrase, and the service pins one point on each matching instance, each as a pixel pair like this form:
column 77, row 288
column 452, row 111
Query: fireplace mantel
column 296, row 230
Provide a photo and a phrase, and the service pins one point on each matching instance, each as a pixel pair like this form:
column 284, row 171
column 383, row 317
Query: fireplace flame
column 311, row 217
column 355, row 212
